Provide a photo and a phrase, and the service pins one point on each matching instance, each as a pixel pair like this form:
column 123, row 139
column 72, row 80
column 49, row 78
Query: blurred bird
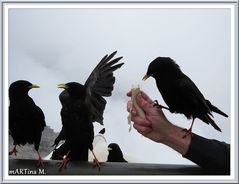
column 180, row 93
column 59, row 153
column 115, row 153
column 26, row 119
column 84, row 104
column 60, row 137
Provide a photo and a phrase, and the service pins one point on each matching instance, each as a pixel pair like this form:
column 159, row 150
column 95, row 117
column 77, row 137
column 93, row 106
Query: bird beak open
column 34, row 86
column 145, row 77
column 109, row 149
column 62, row 86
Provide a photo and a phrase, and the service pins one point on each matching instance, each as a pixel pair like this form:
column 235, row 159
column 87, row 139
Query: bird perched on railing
column 180, row 93
column 115, row 153
column 84, row 104
column 26, row 119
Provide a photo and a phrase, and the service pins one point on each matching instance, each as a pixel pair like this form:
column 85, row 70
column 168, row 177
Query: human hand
column 155, row 125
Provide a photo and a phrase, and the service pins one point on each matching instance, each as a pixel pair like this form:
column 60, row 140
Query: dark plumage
column 84, row 104
column 60, row 137
column 59, row 153
column 180, row 93
column 115, row 153
column 102, row 131
column 26, row 119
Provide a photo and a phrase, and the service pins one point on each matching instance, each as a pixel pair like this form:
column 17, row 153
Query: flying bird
column 84, row 104
column 115, row 153
column 180, row 93
column 26, row 119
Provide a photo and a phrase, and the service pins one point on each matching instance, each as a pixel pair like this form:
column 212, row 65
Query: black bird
column 180, row 93
column 26, row 119
column 115, row 153
column 84, row 104
column 59, row 153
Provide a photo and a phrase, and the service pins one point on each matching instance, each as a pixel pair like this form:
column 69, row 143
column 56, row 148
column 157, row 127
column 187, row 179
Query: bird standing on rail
column 26, row 119
column 84, row 104
column 180, row 93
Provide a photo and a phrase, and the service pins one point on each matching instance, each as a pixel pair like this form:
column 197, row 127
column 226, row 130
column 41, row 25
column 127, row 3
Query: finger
column 146, row 97
column 129, row 94
column 144, row 104
column 141, row 121
column 142, row 129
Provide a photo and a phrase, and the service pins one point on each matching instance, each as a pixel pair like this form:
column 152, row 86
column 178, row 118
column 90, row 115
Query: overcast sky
column 52, row 46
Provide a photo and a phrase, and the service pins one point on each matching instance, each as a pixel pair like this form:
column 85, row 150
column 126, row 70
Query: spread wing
column 100, row 84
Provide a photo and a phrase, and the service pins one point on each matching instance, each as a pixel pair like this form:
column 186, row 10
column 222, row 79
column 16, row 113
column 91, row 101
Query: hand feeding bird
column 84, row 104
column 115, row 153
column 180, row 93
column 26, row 119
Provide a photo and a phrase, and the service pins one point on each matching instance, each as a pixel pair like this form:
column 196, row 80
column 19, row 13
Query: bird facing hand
column 180, row 93
column 26, row 119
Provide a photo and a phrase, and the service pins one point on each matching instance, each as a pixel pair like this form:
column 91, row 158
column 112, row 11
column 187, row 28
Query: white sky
column 52, row 46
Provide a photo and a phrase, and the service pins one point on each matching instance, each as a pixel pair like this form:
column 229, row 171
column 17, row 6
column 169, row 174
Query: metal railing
column 28, row 167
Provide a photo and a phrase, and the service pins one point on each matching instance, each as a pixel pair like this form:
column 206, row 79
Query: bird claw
column 40, row 162
column 156, row 104
column 14, row 151
column 97, row 163
column 63, row 163
column 188, row 132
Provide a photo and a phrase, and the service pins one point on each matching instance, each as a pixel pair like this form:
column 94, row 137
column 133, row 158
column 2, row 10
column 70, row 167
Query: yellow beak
column 34, row 86
column 145, row 77
column 62, row 86
column 109, row 149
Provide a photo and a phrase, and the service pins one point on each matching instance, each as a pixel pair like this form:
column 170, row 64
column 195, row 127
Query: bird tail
column 215, row 109
column 209, row 120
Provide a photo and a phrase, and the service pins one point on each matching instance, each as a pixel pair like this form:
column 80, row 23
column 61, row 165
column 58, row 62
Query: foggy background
column 52, row 46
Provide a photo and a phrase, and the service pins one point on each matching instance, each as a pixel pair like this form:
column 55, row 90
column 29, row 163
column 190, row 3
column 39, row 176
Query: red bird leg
column 189, row 131
column 40, row 162
column 156, row 104
column 14, row 150
column 64, row 162
column 96, row 161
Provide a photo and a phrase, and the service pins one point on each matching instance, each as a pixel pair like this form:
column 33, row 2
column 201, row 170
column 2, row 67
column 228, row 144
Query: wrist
column 173, row 137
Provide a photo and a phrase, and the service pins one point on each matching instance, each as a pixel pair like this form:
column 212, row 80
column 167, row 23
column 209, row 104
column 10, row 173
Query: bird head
column 115, row 153
column 74, row 89
column 162, row 67
column 21, row 87
column 113, row 147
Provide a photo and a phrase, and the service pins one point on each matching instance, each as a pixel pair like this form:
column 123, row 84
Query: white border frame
column 108, row 179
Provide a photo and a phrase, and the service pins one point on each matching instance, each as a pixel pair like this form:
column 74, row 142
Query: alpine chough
column 26, row 119
column 115, row 153
column 84, row 104
column 180, row 93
